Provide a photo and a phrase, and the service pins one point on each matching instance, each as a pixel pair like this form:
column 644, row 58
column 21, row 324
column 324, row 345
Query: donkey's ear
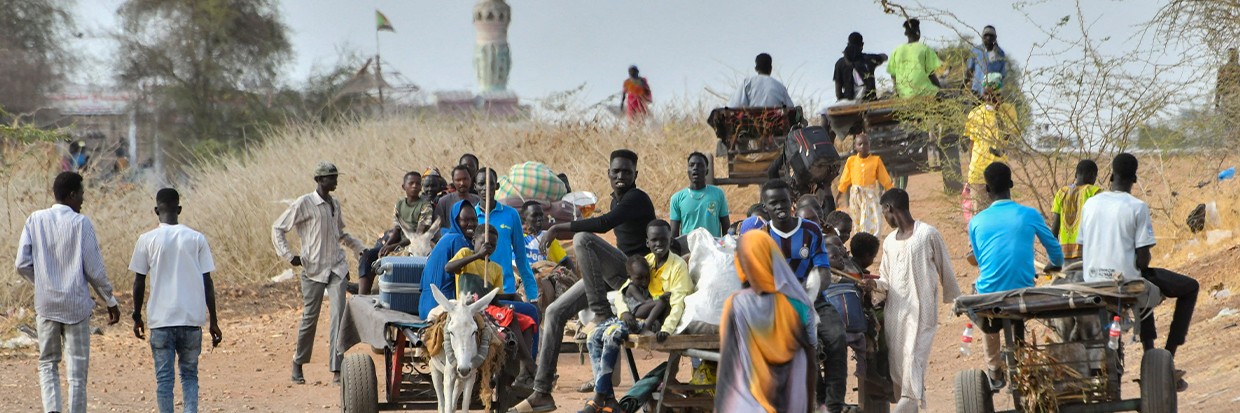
column 440, row 298
column 483, row 302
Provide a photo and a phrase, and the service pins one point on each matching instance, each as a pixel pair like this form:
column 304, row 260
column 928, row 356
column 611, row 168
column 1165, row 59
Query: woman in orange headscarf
column 767, row 362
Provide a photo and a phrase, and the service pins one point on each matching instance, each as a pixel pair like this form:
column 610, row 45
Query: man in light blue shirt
column 1001, row 237
column 762, row 90
column 985, row 59
column 700, row 205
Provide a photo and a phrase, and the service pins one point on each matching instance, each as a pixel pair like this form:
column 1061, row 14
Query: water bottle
column 1113, row 343
column 966, row 339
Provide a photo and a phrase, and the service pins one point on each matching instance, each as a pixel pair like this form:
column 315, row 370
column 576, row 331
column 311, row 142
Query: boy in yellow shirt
column 476, row 275
column 861, row 184
column 666, row 284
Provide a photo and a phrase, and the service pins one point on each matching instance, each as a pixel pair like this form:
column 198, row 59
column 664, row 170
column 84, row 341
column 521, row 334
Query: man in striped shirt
column 316, row 217
column 59, row 253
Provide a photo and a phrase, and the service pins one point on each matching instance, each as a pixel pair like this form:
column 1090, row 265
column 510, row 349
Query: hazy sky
column 681, row 46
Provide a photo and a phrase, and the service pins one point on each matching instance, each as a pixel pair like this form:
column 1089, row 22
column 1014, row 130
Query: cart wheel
column 973, row 392
column 358, row 392
column 1158, row 382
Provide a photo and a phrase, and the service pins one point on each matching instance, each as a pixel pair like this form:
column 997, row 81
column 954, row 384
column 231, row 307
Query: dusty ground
column 249, row 371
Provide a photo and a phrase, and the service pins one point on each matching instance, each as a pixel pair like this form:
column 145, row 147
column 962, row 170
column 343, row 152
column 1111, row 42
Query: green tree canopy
column 211, row 65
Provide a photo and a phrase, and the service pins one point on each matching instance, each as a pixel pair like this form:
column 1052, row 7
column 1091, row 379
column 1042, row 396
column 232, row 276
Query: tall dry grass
column 234, row 201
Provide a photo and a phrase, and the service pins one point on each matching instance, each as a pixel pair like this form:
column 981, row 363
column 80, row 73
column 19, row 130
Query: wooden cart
column 674, row 395
column 750, row 139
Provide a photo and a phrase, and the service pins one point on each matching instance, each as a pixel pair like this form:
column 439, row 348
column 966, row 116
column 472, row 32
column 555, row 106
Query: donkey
column 455, row 369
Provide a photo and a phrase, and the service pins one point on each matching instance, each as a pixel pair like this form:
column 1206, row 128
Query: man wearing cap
column 317, row 218
column 854, row 72
column 761, row 90
column 986, row 59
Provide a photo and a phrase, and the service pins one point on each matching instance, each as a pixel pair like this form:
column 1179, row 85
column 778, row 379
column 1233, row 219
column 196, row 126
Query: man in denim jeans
column 182, row 296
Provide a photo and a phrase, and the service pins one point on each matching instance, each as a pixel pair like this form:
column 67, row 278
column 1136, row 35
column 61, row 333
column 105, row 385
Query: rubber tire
column 1158, row 382
column 973, row 393
column 358, row 384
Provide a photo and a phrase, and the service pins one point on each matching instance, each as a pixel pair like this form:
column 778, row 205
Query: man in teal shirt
column 700, row 205
column 1001, row 237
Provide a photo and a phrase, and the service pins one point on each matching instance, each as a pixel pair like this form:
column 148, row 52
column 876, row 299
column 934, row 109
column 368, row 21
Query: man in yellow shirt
column 991, row 126
column 1066, row 211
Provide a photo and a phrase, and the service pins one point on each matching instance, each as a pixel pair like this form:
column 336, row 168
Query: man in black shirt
column 601, row 265
column 854, row 72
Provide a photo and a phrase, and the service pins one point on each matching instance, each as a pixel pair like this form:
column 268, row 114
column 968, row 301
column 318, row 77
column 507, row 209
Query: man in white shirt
column 761, row 91
column 317, row 218
column 1116, row 237
column 59, row 253
column 179, row 262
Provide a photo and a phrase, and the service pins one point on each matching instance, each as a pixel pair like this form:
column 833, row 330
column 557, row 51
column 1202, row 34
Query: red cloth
column 504, row 316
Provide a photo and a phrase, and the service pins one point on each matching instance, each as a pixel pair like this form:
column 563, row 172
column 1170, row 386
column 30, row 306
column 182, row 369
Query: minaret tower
column 492, row 60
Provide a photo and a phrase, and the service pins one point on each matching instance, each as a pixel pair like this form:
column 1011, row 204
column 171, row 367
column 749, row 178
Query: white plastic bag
column 714, row 273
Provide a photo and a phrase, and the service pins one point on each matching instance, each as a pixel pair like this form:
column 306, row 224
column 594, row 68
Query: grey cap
column 325, row 169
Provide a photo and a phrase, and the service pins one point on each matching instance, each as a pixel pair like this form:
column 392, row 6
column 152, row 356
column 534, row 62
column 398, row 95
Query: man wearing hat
column 854, row 72
column 319, row 223
column 986, row 59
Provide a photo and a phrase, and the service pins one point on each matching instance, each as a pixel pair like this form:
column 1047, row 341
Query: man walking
column 1116, row 238
column 1001, row 237
column 179, row 262
column 700, row 205
column 59, row 253
column 319, row 223
column 915, row 266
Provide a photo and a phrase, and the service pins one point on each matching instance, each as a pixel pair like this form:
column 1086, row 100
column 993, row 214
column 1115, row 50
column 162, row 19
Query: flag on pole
column 382, row 23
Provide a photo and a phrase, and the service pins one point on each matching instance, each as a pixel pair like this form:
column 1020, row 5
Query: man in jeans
column 1116, row 237
column 601, row 266
column 179, row 262
column 59, row 254
column 317, row 218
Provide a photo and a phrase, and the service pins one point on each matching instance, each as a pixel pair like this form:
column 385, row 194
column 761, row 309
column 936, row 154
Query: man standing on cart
column 1000, row 238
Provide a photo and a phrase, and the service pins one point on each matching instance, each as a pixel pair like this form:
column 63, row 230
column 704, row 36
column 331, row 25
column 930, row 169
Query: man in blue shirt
column 800, row 241
column 1001, row 237
column 985, row 59
column 511, row 243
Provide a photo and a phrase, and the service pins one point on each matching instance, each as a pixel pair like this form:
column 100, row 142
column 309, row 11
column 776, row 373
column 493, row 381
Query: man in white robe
column 915, row 263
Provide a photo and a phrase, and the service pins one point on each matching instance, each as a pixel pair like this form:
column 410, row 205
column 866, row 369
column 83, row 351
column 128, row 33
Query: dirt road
column 250, row 370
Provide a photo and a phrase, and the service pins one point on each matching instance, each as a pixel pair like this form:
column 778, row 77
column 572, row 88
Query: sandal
column 526, row 407
column 591, row 407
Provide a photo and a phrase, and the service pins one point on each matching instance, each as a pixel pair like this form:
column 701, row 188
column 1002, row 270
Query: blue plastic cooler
column 400, row 281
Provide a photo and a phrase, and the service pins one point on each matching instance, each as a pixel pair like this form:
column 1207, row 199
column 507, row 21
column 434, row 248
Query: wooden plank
column 674, row 342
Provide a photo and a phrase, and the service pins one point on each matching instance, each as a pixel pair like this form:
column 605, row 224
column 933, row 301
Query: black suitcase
column 809, row 155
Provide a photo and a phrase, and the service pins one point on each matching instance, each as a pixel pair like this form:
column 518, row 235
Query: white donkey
column 455, row 369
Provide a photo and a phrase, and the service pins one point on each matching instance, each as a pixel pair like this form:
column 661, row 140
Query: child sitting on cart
column 476, row 275
column 652, row 300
